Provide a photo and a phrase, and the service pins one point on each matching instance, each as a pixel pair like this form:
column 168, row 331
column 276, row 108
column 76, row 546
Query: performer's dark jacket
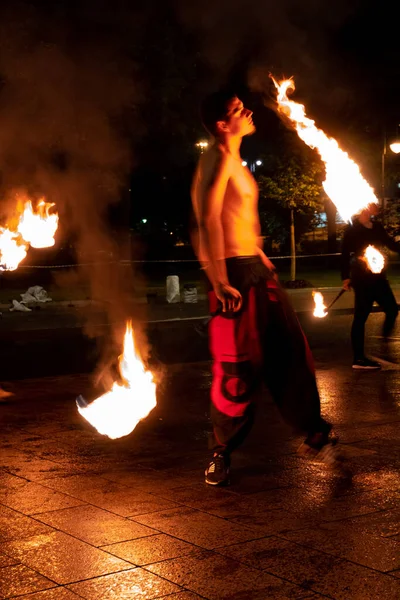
column 356, row 239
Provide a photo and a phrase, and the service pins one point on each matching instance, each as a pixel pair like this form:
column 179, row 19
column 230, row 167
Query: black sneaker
column 366, row 364
column 217, row 472
column 322, row 448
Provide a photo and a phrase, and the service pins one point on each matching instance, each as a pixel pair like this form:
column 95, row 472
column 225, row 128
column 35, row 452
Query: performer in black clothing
column 368, row 287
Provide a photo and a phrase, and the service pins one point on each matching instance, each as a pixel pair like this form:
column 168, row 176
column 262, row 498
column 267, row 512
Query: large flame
column 320, row 308
column 38, row 227
column 344, row 184
column 13, row 249
column 32, row 227
column 375, row 260
column 117, row 412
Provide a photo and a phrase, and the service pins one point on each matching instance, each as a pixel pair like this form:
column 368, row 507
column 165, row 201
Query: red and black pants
column 263, row 343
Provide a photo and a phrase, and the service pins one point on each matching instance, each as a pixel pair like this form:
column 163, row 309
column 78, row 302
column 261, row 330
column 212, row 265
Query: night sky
column 97, row 96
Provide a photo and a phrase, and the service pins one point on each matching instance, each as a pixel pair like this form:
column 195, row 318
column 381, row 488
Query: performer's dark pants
column 367, row 291
column 262, row 343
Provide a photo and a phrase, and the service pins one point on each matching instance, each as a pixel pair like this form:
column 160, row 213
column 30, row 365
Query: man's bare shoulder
column 215, row 162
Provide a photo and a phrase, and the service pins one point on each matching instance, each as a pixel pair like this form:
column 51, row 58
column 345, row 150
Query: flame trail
column 344, row 184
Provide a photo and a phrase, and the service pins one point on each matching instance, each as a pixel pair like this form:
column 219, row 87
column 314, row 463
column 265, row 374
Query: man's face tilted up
column 238, row 121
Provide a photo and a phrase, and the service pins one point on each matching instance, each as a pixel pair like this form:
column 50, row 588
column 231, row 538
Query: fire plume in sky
column 344, row 184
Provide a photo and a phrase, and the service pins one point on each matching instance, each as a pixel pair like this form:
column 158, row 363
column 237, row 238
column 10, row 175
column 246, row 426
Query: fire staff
column 255, row 337
column 369, row 286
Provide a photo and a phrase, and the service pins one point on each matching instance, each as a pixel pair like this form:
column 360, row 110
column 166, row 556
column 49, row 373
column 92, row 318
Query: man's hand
column 230, row 298
column 346, row 285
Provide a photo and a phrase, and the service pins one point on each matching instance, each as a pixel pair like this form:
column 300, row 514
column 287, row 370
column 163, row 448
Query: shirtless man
column 255, row 336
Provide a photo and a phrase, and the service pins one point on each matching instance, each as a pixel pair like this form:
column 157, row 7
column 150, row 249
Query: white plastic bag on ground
column 173, row 294
column 27, row 298
column 189, row 294
column 39, row 293
column 18, row 306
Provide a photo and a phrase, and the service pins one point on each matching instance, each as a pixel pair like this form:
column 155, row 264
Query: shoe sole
column 359, row 368
column 218, row 483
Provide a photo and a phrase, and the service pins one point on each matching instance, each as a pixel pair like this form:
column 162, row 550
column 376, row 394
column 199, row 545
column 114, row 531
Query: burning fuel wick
column 131, row 397
column 320, row 309
column 374, row 259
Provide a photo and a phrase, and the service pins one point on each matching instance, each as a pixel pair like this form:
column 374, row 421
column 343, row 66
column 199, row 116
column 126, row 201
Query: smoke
column 288, row 38
column 67, row 112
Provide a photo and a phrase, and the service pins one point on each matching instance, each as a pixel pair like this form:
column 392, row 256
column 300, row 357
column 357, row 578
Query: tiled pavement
column 82, row 516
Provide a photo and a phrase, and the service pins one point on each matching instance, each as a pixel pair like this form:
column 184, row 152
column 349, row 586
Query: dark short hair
column 214, row 108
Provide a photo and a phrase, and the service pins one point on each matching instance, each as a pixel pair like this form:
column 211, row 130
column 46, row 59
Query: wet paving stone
column 7, row 561
column 74, row 505
column 59, row 593
column 220, row 578
column 383, row 523
column 62, row 558
column 152, row 481
column 316, row 570
column 31, row 498
column 94, row 525
column 323, row 504
column 375, row 552
column 196, row 527
column 15, row 526
column 118, row 499
column 19, row 579
column 183, row 596
column 129, row 585
column 150, row 549
column 34, row 469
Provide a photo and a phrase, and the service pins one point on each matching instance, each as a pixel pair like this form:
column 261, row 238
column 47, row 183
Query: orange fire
column 375, row 260
column 38, row 227
column 344, row 184
column 117, row 412
column 34, row 228
column 320, row 308
column 13, row 249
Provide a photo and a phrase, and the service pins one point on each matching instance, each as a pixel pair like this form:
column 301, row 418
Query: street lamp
column 394, row 147
column 202, row 145
column 252, row 165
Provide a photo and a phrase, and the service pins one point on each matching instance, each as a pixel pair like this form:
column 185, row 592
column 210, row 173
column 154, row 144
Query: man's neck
column 232, row 145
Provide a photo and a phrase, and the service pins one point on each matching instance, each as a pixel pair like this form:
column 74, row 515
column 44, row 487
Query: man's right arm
column 213, row 232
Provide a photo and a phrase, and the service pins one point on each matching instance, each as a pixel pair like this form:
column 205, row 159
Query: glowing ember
column 375, row 260
column 344, row 184
column 118, row 411
column 38, row 227
column 320, row 308
column 13, row 249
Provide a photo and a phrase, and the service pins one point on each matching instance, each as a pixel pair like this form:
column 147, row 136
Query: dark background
column 99, row 100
